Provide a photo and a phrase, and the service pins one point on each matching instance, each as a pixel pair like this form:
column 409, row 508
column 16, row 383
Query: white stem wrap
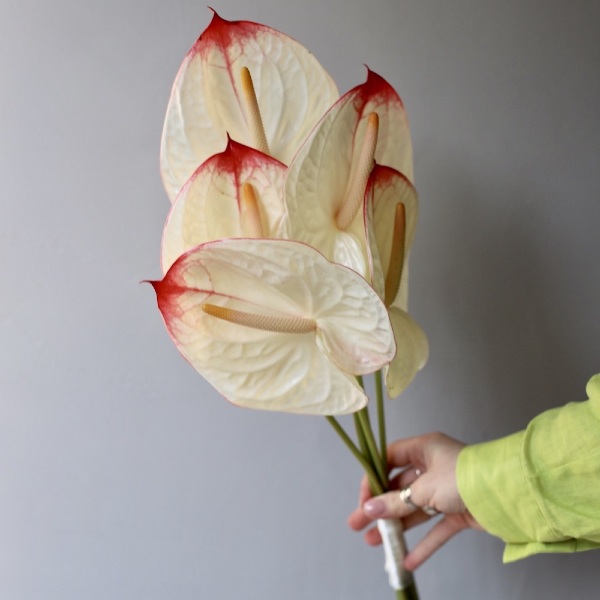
column 394, row 547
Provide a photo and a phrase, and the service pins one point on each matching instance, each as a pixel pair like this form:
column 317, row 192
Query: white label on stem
column 394, row 548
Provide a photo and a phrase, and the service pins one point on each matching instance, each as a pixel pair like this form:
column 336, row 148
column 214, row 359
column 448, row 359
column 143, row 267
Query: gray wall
column 122, row 475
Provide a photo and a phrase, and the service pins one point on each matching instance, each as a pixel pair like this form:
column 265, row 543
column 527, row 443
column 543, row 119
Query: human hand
column 428, row 470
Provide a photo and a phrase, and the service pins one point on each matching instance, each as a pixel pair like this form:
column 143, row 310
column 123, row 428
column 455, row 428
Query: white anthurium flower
column 272, row 324
column 412, row 354
column 249, row 80
column 327, row 180
column 393, row 215
column 236, row 193
column 393, row 219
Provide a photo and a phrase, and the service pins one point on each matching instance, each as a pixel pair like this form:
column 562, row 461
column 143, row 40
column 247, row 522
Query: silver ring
column 405, row 494
column 429, row 510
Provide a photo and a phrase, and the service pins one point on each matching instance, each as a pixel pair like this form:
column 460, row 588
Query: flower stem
column 381, row 420
column 408, row 593
column 366, row 440
column 373, row 459
column 363, row 417
column 374, row 482
column 362, row 440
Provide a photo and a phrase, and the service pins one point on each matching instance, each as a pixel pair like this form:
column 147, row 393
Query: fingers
column 405, row 478
column 364, row 492
column 399, row 504
column 434, row 539
column 358, row 520
column 427, row 480
column 373, row 536
column 388, row 505
column 408, row 451
column 421, row 450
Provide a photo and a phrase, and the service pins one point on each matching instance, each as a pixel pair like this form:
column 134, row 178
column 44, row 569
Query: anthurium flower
column 412, row 354
column 394, row 219
column 253, row 82
column 236, row 193
column 272, row 324
column 327, row 180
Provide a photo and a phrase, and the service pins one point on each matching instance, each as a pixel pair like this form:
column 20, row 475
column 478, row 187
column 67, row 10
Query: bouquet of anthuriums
column 285, row 250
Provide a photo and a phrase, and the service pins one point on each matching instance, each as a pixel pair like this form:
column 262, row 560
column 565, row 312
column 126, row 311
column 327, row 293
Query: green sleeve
column 539, row 489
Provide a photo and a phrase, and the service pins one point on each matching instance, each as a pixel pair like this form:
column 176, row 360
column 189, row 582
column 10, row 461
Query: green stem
column 409, row 593
column 373, row 460
column 374, row 482
column 360, row 434
column 363, row 417
column 366, row 440
column 381, row 420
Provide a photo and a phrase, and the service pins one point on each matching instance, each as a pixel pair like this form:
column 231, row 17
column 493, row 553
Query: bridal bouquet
column 285, row 250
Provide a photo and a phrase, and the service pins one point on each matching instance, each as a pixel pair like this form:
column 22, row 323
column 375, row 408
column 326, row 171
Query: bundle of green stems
column 372, row 455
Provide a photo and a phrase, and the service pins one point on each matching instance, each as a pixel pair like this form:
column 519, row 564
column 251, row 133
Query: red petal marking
column 167, row 294
column 233, row 160
column 224, row 34
column 383, row 176
column 173, row 286
column 374, row 87
column 236, row 156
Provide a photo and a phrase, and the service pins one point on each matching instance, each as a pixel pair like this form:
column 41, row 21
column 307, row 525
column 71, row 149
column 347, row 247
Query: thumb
column 399, row 504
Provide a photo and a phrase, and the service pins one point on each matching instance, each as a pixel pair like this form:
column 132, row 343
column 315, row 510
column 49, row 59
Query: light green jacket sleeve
column 539, row 489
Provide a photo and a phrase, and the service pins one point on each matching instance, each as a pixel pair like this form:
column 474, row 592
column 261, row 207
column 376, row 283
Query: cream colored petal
column 292, row 88
column 276, row 371
column 390, row 187
column 316, row 187
column 317, row 180
column 375, row 269
column 209, row 205
column 394, row 145
column 411, row 355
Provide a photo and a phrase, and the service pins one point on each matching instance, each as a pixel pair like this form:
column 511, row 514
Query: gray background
column 122, row 475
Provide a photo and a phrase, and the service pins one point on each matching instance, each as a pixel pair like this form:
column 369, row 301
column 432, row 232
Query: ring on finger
column 405, row 496
column 429, row 510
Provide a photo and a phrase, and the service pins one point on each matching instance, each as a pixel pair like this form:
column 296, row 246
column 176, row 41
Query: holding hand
column 427, row 487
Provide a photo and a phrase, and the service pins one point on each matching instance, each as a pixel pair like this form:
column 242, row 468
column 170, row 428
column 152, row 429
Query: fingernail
column 374, row 507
